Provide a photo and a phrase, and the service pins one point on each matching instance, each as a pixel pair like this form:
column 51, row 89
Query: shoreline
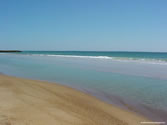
column 37, row 103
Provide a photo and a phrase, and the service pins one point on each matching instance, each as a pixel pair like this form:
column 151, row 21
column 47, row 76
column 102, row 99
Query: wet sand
column 156, row 115
column 32, row 102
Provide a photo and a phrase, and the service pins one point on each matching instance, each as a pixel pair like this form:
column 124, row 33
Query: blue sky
column 105, row 25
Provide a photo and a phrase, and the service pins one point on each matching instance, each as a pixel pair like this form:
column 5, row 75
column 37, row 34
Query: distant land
column 9, row 51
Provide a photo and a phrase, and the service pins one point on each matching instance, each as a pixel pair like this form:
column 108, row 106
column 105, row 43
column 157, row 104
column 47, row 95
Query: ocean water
column 132, row 80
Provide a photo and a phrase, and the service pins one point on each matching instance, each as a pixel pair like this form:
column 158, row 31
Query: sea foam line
column 120, row 59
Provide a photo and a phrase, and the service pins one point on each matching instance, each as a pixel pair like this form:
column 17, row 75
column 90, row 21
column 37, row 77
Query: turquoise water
column 147, row 56
column 138, row 80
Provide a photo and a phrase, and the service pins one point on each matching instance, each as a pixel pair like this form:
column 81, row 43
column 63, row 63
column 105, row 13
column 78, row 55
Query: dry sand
column 32, row 102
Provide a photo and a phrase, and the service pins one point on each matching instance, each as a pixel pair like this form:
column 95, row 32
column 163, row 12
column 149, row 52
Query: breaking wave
column 120, row 59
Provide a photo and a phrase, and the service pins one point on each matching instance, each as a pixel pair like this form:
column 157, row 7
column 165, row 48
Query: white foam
column 73, row 56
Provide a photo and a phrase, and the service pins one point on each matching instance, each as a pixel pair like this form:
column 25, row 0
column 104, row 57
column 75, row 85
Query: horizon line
column 87, row 50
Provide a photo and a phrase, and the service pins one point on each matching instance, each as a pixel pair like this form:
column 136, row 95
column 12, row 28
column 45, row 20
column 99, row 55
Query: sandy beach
column 32, row 102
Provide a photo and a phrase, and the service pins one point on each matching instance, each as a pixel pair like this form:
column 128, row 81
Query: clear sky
column 105, row 25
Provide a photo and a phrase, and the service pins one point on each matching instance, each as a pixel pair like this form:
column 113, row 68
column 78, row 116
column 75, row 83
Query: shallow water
column 133, row 85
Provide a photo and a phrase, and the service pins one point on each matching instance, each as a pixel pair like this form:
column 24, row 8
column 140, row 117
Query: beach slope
column 32, row 102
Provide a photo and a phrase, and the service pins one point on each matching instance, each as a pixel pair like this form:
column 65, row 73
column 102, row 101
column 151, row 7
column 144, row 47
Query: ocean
column 134, row 81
